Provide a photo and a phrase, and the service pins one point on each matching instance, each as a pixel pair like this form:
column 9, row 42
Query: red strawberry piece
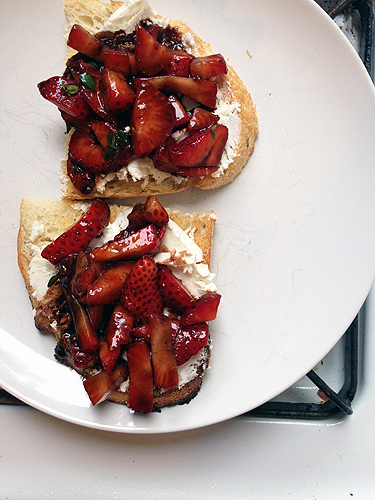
column 152, row 119
column 86, row 74
column 87, row 337
column 202, row 309
column 68, row 351
column 143, row 332
column 101, row 131
column 95, row 100
column 203, row 91
column 132, row 64
column 116, row 59
column 85, row 151
column 208, row 66
column 82, row 41
column 107, row 288
column 72, row 121
column 140, row 293
column 150, row 56
column 191, row 151
column 153, row 31
column 108, row 357
column 220, row 133
column 96, row 316
column 102, row 384
column 119, row 327
column 141, row 381
column 201, row 118
column 161, row 158
column 162, row 352
column 79, row 236
column 116, row 91
column 173, row 292
column 86, row 271
column 153, row 212
column 182, row 118
column 189, row 340
column 81, row 179
column 65, row 94
column 179, row 65
column 145, row 241
column 195, row 171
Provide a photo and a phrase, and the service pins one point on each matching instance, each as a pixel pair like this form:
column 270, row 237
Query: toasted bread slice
column 234, row 102
column 41, row 221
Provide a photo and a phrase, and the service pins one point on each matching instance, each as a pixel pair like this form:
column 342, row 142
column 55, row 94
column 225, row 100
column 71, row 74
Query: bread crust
column 51, row 218
column 92, row 15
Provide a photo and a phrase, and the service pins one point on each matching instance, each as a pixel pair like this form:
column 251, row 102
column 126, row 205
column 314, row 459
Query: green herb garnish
column 87, row 81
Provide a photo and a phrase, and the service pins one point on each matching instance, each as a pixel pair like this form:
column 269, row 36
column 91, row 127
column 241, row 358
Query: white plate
column 294, row 243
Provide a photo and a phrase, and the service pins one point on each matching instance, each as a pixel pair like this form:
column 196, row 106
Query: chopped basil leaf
column 87, row 81
column 51, row 281
column 110, row 153
column 69, row 89
column 111, row 139
column 213, row 128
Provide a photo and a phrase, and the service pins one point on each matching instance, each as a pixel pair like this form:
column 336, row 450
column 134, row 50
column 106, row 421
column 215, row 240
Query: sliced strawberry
column 65, row 94
column 140, row 293
column 95, row 100
column 116, row 91
column 85, row 151
column 201, row 118
column 182, row 118
column 119, row 327
column 79, row 236
column 151, row 57
column 107, row 288
column 116, row 59
column 203, row 91
column 162, row 352
column 82, row 41
column 132, row 64
column 145, row 241
column 87, row 337
column 72, row 121
column 143, row 332
column 86, row 271
column 68, row 351
column 141, row 381
column 202, row 309
column 81, row 179
column 174, row 294
column 86, row 74
column 179, row 65
column 102, row 384
column 191, row 151
column 143, row 214
column 220, row 133
column 195, row 171
column 162, row 159
column 152, row 119
column 96, row 316
column 208, row 66
column 101, row 130
column 189, row 341
column 108, row 357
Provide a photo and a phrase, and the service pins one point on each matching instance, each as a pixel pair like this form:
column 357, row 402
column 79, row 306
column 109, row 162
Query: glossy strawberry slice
column 152, row 119
column 116, row 91
column 141, row 381
column 143, row 332
column 189, row 340
column 102, row 384
column 65, row 94
column 85, row 151
column 86, row 74
column 68, row 351
column 182, row 118
column 153, row 212
column 116, row 59
column 195, row 171
column 96, row 316
column 162, row 352
column 87, row 337
column 220, row 133
column 108, row 357
column 203, row 91
column 208, row 66
column 82, row 41
column 174, row 294
column 95, row 100
column 150, row 56
column 79, row 236
column 161, row 158
column 179, row 65
column 201, row 118
column 101, row 130
column 85, row 272
column 107, row 288
column 119, row 327
column 202, row 309
column 145, row 241
column 140, row 293
column 191, row 151
column 72, row 121
column 81, row 179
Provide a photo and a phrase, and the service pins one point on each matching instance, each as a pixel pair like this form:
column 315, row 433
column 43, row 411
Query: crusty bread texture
column 42, row 220
column 232, row 94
